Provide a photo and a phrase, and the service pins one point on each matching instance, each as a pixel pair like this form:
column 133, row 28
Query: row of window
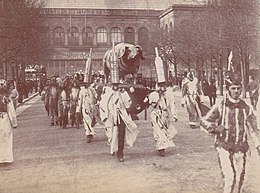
column 101, row 36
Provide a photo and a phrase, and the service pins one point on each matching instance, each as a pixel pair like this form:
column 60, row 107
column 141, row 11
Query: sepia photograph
column 129, row 96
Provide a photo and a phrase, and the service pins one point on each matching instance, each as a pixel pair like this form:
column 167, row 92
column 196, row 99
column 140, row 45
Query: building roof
column 118, row 4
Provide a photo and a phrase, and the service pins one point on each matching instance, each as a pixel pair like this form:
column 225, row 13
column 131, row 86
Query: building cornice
column 101, row 12
column 181, row 7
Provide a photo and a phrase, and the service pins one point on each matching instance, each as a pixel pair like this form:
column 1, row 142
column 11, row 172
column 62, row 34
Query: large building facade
column 76, row 26
column 74, row 31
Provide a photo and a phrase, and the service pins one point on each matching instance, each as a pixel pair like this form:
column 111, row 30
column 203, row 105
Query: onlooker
column 13, row 93
column 253, row 89
column 212, row 92
column 204, row 86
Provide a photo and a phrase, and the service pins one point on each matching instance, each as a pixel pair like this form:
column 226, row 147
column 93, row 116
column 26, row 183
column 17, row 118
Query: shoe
column 89, row 138
column 52, row 124
column 120, row 157
column 161, row 152
column 193, row 126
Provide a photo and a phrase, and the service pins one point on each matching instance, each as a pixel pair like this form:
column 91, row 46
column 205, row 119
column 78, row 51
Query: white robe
column 116, row 106
column 162, row 115
column 7, row 122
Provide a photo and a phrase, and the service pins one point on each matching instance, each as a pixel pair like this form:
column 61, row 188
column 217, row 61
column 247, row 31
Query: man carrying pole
column 86, row 102
column 232, row 121
column 118, row 119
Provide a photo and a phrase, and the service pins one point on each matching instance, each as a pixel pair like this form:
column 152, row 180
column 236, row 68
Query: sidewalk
column 31, row 95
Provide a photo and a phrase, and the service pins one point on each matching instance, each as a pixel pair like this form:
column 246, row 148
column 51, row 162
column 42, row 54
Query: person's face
column 115, row 87
column 235, row 91
column 190, row 78
column 163, row 88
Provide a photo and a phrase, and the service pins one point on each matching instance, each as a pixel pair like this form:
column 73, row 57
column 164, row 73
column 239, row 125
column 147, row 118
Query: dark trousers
column 212, row 100
column 254, row 100
column 121, row 138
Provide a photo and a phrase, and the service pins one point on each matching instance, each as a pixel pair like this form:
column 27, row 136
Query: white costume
column 162, row 114
column 114, row 110
column 85, row 106
column 8, row 121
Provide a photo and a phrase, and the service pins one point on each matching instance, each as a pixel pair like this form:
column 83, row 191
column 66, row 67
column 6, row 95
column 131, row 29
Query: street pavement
column 49, row 159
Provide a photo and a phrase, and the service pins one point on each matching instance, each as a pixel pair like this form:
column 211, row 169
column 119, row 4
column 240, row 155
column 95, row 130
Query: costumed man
column 123, row 127
column 117, row 119
column 190, row 97
column 45, row 96
column 163, row 111
column 253, row 89
column 106, row 95
column 74, row 97
column 8, row 121
column 232, row 121
column 86, row 107
column 52, row 92
column 64, row 103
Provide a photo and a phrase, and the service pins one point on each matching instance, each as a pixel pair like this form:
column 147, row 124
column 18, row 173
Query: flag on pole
column 114, row 68
column 230, row 66
column 159, row 68
column 87, row 74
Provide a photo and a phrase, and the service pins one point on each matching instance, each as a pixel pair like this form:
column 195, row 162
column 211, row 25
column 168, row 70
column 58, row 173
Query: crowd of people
column 76, row 102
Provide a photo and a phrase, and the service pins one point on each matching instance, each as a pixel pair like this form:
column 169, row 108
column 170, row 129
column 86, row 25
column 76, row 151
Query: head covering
column 232, row 78
column 3, row 84
column 160, row 68
column 190, row 75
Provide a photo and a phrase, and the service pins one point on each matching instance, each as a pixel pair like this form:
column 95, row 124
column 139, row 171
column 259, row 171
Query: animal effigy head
column 131, row 52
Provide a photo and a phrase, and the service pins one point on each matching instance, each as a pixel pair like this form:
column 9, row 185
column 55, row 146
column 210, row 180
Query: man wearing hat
column 85, row 107
column 163, row 110
column 190, row 92
column 117, row 119
column 233, row 122
column 163, row 113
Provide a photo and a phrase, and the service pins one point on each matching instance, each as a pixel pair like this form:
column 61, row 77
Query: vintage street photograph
column 129, row 96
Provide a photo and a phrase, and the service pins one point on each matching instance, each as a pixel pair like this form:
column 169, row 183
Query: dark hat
column 190, row 75
column 232, row 78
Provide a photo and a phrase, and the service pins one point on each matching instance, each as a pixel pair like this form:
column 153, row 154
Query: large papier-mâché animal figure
column 128, row 57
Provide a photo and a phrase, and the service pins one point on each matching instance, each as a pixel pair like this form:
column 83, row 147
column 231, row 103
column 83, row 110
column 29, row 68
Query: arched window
column 73, row 36
column 130, row 35
column 87, row 36
column 101, row 35
column 58, row 36
column 143, row 36
column 116, row 35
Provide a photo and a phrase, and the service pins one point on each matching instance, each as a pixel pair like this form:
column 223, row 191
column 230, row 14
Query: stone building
column 78, row 25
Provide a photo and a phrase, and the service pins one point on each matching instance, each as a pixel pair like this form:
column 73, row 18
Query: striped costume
column 232, row 135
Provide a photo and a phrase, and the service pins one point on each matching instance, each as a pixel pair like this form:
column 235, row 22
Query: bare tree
column 23, row 31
